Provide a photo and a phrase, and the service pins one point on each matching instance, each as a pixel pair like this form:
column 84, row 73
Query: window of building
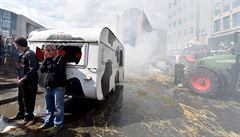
column 170, row 16
column 175, row 2
column 191, row 30
column 8, row 15
column 169, row 36
column 174, row 24
column 236, row 3
column 4, row 14
column 185, row 32
column 217, row 9
column 179, row 10
column 184, row 7
column 191, row 3
column 180, row 22
column 226, row 23
column 226, row 5
column 192, row 16
column 179, row 33
column 13, row 23
column 217, row 25
column 236, row 19
column 185, row 19
column 174, row 13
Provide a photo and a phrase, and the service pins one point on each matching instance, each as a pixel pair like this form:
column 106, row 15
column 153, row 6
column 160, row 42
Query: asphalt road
column 146, row 105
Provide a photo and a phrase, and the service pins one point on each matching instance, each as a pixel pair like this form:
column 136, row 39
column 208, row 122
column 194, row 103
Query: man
column 54, row 66
column 27, row 82
column 1, row 54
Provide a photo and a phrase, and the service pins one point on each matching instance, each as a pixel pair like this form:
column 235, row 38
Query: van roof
column 72, row 35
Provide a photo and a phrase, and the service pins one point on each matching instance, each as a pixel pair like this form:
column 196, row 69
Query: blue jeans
column 54, row 98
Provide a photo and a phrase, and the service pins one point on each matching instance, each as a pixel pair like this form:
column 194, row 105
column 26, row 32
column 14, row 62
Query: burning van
column 95, row 58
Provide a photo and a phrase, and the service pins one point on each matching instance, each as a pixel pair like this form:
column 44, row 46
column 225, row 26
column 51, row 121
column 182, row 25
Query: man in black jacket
column 27, row 82
column 1, row 54
column 54, row 66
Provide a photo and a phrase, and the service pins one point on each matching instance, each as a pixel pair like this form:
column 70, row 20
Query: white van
column 95, row 58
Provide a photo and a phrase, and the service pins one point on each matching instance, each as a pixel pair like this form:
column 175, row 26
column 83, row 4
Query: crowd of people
column 8, row 56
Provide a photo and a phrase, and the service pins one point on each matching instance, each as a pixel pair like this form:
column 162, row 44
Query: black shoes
column 27, row 122
column 17, row 117
column 24, row 121
column 45, row 125
column 56, row 130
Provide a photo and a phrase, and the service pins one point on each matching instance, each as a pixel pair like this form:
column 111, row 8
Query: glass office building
column 8, row 23
column 16, row 24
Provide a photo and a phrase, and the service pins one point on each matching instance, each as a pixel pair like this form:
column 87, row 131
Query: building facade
column 225, row 21
column 15, row 24
column 131, row 25
column 189, row 23
column 8, row 23
column 134, row 29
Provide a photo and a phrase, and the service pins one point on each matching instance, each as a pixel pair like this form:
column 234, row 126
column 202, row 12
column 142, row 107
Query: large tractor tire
column 204, row 81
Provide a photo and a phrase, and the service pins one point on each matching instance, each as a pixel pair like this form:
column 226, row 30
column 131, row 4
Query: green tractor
column 215, row 73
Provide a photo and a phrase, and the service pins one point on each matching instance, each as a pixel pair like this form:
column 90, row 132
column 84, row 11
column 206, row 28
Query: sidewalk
column 8, row 77
column 8, row 91
column 7, row 82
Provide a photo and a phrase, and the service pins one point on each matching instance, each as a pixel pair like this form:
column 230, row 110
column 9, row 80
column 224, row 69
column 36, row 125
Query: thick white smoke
column 139, row 56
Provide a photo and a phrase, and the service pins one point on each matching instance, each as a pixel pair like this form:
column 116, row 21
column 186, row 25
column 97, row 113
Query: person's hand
column 47, row 55
column 19, row 82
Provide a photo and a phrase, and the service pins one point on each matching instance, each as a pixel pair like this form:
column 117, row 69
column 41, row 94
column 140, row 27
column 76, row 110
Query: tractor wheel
column 204, row 81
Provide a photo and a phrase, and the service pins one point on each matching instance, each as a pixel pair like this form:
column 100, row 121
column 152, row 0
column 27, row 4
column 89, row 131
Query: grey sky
column 67, row 13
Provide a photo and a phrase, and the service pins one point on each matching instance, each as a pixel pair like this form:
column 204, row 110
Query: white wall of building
column 189, row 23
column 22, row 25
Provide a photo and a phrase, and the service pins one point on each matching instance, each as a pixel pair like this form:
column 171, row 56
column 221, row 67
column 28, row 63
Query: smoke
column 139, row 56
column 97, row 13
column 69, row 13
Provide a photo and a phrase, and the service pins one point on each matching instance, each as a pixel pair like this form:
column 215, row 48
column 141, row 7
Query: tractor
column 215, row 73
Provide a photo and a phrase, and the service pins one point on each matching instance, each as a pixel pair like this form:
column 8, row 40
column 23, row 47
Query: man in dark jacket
column 1, row 54
column 54, row 66
column 27, row 82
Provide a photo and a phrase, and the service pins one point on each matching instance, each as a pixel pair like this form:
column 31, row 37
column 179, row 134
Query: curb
column 8, row 86
column 8, row 100
column 14, row 98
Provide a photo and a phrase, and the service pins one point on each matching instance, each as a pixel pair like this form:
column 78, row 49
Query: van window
column 117, row 56
column 71, row 53
column 121, row 58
